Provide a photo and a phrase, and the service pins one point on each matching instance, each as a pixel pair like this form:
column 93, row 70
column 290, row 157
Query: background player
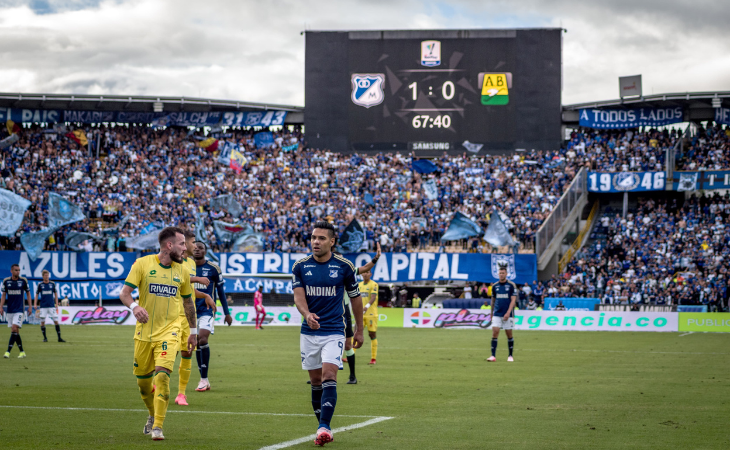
column 319, row 282
column 13, row 289
column 369, row 290
column 206, row 316
column 258, row 304
column 160, row 278
column 186, row 362
column 48, row 296
column 504, row 297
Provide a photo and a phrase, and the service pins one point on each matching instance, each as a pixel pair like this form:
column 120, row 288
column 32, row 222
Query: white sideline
column 685, row 334
column 235, row 413
column 311, row 437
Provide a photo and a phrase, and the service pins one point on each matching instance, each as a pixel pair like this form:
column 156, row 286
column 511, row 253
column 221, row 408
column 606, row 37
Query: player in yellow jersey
column 185, row 356
column 369, row 292
column 163, row 285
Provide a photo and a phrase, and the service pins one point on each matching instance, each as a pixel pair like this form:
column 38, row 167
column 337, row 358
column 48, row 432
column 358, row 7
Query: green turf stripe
column 142, row 377
column 130, row 285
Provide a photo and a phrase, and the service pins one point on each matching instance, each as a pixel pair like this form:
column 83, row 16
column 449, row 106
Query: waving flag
column 228, row 203
column 79, row 137
column 33, row 242
column 352, row 238
column 424, row 166
column 62, row 212
column 461, row 227
column 13, row 128
column 228, row 232
column 12, row 209
column 237, row 160
column 210, row 145
column 497, row 233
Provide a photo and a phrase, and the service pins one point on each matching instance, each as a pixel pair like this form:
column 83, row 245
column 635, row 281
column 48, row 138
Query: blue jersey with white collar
column 502, row 294
column 324, row 286
column 213, row 273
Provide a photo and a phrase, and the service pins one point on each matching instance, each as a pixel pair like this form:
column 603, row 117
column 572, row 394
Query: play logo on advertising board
column 420, row 318
column 463, row 318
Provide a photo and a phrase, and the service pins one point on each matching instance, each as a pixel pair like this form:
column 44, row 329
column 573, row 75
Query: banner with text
column 543, row 320
column 392, row 267
column 630, row 118
column 626, row 181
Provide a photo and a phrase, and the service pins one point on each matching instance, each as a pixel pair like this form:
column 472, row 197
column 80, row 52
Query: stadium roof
column 139, row 103
column 698, row 104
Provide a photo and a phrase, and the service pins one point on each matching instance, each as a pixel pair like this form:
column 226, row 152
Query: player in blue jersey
column 46, row 304
column 206, row 315
column 504, row 297
column 13, row 288
column 320, row 282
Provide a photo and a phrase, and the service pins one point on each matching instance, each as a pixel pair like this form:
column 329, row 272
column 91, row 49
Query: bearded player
column 320, row 282
column 206, row 316
column 163, row 284
column 504, row 297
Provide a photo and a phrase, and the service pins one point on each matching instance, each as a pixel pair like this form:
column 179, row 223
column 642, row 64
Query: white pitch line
column 235, row 413
column 311, row 437
column 559, row 350
column 685, row 334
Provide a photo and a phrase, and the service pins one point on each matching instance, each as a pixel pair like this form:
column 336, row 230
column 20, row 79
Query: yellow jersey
column 161, row 290
column 189, row 265
column 366, row 290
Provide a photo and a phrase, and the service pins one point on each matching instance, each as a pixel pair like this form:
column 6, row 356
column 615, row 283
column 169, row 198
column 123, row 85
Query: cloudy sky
column 253, row 50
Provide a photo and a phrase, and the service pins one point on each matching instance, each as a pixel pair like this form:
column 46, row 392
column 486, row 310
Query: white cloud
column 253, row 51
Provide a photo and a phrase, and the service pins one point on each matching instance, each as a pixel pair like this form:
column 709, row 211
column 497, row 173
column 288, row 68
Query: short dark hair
column 169, row 233
column 202, row 243
column 325, row 226
column 14, row 265
column 189, row 234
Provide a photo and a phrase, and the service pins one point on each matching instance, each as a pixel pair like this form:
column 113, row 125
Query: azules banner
column 216, row 118
column 626, row 181
column 701, row 180
column 630, row 118
column 392, row 267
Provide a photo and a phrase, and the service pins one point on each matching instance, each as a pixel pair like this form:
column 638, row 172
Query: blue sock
column 329, row 401
column 317, row 400
column 494, row 346
column 199, row 359
column 205, row 356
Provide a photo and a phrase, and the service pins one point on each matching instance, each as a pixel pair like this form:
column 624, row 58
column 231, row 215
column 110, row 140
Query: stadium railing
column 553, row 227
column 578, row 243
column 642, row 308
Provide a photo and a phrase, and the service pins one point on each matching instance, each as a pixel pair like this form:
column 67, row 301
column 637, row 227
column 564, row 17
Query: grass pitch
column 567, row 390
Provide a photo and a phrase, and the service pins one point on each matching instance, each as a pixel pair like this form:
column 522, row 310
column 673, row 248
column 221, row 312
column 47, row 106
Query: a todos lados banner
column 626, row 181
column 392, row 267
column 701, row 180
column 543, row 320
column 630, row 118
column 183, row 119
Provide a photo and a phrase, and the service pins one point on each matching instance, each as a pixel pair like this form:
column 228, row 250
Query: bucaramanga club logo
column 495, row 87
column 367, row 89
column 420, row 318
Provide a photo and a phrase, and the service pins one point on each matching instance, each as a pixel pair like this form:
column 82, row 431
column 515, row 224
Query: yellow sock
column 374, row 348
column 162, row 397
column 185, row 365
column 145, row 390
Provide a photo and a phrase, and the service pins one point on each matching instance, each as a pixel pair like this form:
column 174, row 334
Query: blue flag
column 424, row 166
column 12, row 209
column 250, row 242
column 264, row 139
column 228, row 203
column 497, row 233
column 352, row 238
column 369, row 199
column 461, row 227
column 229, row 232
column 62, row 212
column 33, row 242
column 430, row 190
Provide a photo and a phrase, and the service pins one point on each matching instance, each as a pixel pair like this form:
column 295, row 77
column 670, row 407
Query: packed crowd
column 662, row 253
column 162, row 177
column 708, row 150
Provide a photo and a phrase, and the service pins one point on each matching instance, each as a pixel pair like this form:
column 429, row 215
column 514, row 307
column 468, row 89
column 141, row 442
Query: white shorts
column 206, row 323
column 51, row 313
column 321, row 349
column 499, row 322
column 15, row 319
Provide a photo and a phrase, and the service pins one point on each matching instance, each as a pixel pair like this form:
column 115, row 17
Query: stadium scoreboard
column 432, row 91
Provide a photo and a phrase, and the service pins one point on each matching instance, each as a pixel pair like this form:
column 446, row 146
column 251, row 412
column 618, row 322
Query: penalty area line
column 311, row 437
column 234, row 413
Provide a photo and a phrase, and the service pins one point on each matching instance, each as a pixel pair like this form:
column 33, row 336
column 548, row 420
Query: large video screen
column 433, row 91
